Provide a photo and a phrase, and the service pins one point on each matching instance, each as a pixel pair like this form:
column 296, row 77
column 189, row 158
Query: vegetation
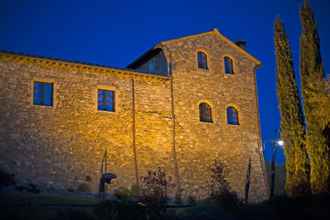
column 6, row 179
column 292, row 121
column 316, row 102
column 303, row 207
column 154, row 187
column 306, row 132
column 221, row 192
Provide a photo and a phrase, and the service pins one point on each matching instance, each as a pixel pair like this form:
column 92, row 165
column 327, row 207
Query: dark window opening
column 43, row 93
column 205, row 112
column 106, row 100
column 232, row 116
column 229, row 68
column 202, row 60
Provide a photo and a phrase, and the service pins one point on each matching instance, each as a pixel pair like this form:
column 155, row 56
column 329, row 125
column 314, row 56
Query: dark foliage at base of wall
column 282, row 207
column 6, row 179
column 308, row 207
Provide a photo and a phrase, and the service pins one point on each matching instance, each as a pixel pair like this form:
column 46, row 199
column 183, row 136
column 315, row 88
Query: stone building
column 180, row 106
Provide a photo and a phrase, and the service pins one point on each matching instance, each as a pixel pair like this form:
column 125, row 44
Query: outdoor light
column 280, row 143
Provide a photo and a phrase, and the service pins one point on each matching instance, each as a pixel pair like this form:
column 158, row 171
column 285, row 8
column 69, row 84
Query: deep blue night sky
column 113, row 32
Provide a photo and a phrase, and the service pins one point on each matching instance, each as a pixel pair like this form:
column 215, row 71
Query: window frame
column 53, row 96
column 237, row 118
column 233, row 66
column 114, row 99
column 206, row 59
column 210, row 108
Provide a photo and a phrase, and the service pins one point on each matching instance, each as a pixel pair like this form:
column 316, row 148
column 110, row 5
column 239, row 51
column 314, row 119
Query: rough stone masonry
column 156, row 122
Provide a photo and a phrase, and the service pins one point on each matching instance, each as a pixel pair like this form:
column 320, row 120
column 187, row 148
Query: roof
column 215, row 31
column 74, row 64
column 145, row 56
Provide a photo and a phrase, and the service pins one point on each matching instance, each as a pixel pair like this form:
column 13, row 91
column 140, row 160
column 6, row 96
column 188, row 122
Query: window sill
column 229, row 74
column 105, row 111
column 234, row 125
column 203, row 70
column 44, row 106
column 206, row 122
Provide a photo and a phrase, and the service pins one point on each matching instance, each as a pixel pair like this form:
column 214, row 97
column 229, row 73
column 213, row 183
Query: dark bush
column 6, row 179
column 70, row 189
column 88, row 179
column 154, row 187
column 84, row 187
column 221, row 191
column 30, row 187
column 123, row 193
column 191, row 200
column 153, row 193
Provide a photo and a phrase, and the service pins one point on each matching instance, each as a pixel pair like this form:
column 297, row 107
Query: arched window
column 229, row 67
column 232, row 116
column 202, row 60
column 205, row 112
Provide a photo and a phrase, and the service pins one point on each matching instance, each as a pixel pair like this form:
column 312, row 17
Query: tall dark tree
column 315, row 101
column 292, row 121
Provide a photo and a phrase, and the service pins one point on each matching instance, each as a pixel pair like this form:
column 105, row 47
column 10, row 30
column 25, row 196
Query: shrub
column 6, row 179
column 84, row 187
column 123, row 193
column 29, row 187
column 154, row 187
column 135, row 190
column 191, row 200
column 221, row 192
column 154, row 193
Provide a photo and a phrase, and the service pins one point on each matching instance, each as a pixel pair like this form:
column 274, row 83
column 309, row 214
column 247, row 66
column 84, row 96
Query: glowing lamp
column 280, row 143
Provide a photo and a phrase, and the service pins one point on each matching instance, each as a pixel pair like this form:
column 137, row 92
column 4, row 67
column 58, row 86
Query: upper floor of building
column 208, row 52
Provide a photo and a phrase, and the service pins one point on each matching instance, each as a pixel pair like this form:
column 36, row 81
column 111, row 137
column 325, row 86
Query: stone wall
column 198, row 144
column 63, row 145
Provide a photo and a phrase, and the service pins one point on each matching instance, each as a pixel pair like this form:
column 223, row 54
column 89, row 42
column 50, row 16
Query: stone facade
column 156, row 122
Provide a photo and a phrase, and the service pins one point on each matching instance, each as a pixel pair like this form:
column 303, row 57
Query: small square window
column 106, row 100
column 43, row 93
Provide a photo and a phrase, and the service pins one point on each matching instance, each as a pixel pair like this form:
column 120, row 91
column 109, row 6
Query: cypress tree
column 315, row 101
column 292, row 121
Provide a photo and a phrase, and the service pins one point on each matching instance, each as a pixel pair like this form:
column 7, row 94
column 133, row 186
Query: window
column 43, row 93
column 202, row 60
column 205, row 112
column 106, row 100
column 229, row 68
column 232, row 116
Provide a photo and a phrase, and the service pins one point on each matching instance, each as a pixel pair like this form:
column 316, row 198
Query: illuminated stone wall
column 63, row 145
column 198, row 144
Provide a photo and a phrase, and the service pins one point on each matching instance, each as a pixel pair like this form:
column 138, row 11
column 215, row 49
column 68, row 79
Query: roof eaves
column 79, row 65
column 141, row 58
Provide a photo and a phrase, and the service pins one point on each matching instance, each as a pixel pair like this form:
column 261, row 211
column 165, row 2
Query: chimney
column 241, row 44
